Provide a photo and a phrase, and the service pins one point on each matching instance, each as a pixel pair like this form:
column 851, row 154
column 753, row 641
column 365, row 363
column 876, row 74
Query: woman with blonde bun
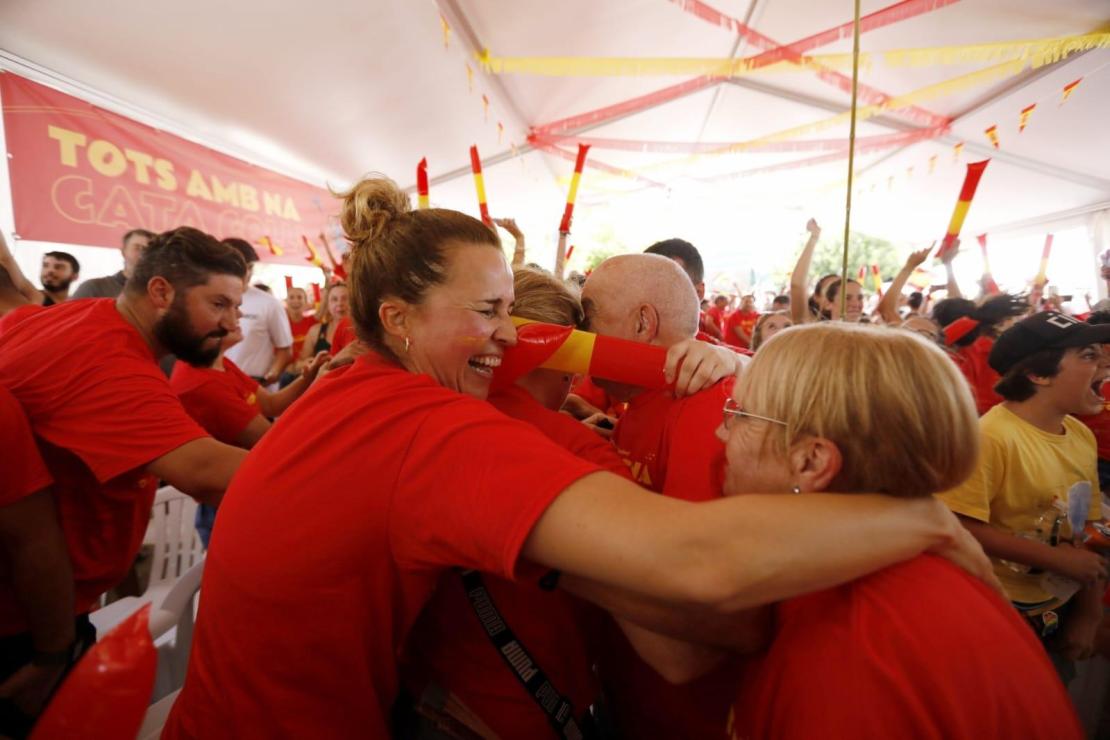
column 324, row 559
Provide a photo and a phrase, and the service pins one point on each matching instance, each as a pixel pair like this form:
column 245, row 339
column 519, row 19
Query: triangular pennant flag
column 992, row 134
column 500, row 132
column 1069, row 89
column 485, row 108
column 469, row 79
column 1023, row 121
column 957, row 151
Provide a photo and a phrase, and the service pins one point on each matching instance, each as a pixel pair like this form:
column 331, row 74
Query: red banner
column 84, row 175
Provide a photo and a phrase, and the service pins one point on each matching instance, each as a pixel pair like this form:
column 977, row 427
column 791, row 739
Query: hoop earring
column 408, row 343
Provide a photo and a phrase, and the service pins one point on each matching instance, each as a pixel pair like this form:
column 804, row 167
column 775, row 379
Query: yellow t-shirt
column 1021, row 471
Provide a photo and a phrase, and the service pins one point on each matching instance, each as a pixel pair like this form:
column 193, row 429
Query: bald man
column 671, row 448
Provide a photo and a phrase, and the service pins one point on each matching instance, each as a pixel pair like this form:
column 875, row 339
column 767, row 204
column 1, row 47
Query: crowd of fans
column 836, row 519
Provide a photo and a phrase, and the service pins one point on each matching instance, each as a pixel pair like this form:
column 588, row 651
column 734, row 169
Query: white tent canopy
column 329, row 91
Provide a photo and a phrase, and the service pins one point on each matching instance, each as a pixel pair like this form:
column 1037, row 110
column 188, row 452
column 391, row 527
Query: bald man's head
column 641, row 297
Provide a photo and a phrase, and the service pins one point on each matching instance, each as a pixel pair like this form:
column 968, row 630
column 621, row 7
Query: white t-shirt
column 265, row 327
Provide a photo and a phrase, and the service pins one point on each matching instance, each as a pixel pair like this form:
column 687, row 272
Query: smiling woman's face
column 461, row 327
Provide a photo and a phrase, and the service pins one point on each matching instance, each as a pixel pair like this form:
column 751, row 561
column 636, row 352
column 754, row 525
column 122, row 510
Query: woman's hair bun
column 370, row 206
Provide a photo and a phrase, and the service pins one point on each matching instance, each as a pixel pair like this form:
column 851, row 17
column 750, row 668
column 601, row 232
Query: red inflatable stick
column 107, row 693
column 572, row 351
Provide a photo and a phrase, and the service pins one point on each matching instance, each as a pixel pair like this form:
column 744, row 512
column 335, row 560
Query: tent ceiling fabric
column 331, row 90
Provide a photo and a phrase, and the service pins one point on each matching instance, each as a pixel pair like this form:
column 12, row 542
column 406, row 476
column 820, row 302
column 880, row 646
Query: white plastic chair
column 171, row 626
column 156, row 717
column 177, row 548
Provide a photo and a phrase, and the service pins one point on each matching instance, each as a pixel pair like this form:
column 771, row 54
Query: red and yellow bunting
column 422, row 184
column 957, row 151
column 485, row 108
column 963, row 203
column 1069, row 89
column 568, row 212
column 1023, row 119
column 992, row 134
column 877, row 280
column 480, row 186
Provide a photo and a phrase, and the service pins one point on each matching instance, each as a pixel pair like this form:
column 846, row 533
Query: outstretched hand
column 916, row 259
column 813, row 228
column 315, row 365
column 693, row 366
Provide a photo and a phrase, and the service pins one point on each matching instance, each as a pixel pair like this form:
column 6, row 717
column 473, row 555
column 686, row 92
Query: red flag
column 288, row 284
column 570, row 251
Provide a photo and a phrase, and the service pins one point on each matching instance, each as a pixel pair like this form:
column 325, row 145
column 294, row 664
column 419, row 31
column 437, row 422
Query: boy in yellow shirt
column 1033, row 455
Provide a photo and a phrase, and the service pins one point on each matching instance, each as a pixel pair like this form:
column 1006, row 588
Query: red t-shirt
column 344, row 335
column 744, row 320
column 100, row 410
column 972, row 361
column 918, row 650
column 16, row 315
column 223, row 402
column 449, row 651
column 21, row 469
column 671, row 447
column 1100, row 425
column 671, row 444
column 326, row 554
column 717, row 314
column 300, row 331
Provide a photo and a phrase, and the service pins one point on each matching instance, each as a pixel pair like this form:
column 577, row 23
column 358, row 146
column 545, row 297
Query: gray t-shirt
column 103, row 287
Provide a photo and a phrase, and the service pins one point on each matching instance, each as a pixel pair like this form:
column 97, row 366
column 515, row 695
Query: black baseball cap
column 1045, row 330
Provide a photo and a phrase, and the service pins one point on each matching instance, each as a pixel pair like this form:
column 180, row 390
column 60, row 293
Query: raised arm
column 25, row 287
column 738, row 552
column 953, row 286
column 509, row 225
column 888, row 305
column 799, row 279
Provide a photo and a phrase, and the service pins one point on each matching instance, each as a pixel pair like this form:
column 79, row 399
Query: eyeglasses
column 733, row 409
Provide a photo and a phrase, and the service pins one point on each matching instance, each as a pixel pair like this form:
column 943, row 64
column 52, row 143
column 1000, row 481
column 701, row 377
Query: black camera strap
column 558, row 709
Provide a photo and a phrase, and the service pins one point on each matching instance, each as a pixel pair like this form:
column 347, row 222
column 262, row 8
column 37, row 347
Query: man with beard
column 59, row 271
column 108, row 427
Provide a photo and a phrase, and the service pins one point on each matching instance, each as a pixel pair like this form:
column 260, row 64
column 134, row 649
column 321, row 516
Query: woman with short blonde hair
column 897, row 408
column 916, row 649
